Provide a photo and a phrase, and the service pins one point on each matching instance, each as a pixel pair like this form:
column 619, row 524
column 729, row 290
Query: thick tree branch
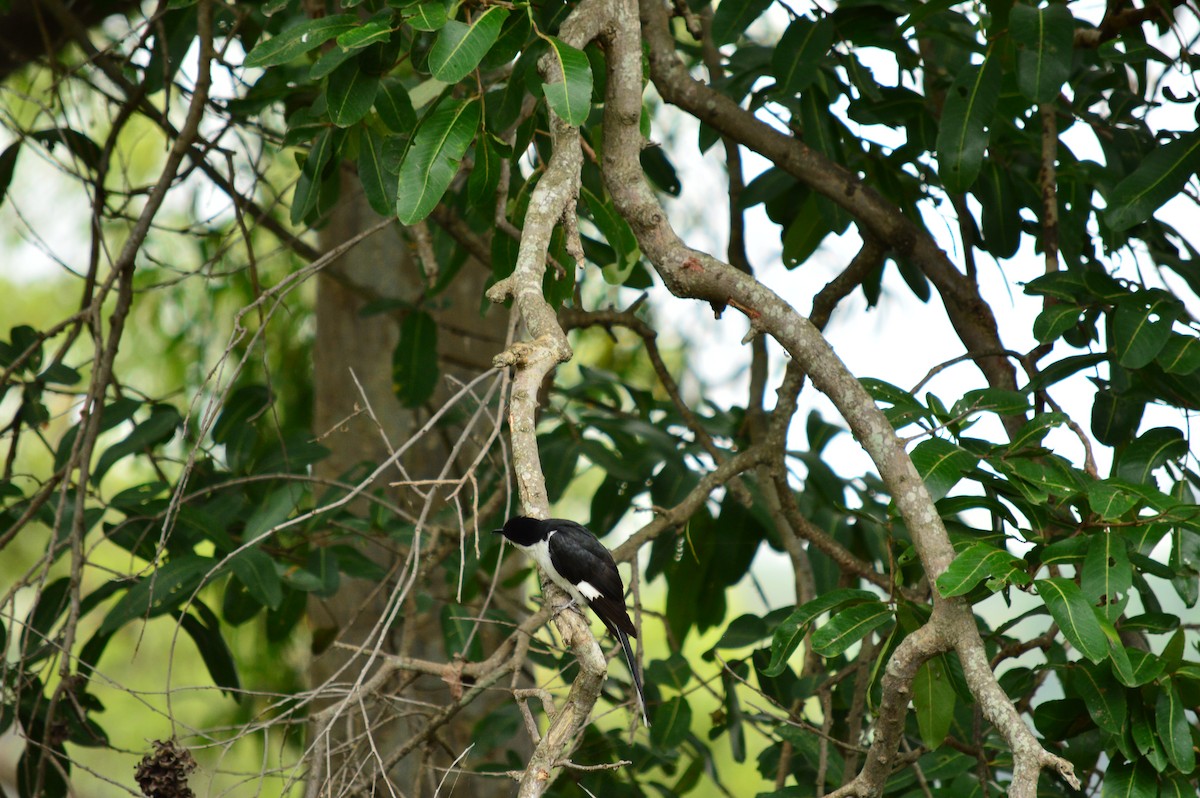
column 971, row 316
column 694, row 274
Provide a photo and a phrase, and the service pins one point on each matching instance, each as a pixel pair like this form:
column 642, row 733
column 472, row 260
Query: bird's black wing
column 580, row 557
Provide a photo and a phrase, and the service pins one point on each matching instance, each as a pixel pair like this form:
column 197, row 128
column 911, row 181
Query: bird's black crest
column 523, row 530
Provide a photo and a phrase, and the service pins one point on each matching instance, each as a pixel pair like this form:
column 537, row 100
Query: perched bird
column 578, row 563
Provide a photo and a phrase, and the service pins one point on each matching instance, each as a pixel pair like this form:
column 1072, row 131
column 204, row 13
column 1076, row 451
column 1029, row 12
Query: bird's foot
column 570, row 605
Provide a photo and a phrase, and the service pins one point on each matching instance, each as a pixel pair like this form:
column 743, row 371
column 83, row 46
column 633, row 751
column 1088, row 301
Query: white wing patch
column 588, row 591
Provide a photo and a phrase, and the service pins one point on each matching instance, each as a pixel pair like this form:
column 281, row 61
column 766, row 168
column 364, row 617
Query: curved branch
column 970, row 315
column 697, row 275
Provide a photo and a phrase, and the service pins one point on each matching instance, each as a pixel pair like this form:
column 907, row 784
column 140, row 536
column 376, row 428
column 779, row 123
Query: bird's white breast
column 584, row 592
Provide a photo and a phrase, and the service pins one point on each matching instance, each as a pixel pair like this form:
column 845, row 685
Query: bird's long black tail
column 633, row 671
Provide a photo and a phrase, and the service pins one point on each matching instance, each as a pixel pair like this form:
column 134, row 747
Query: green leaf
column 1180, row 354
column 160, row 427
column 485, row 173
column 805, row 233
column 963, row 134
column 162, row 591
column 215, row 653
column 298, row 40
column 1173, row 727
column 672, row 723
column 791, row 631
column 798, row 55
column 732, row 17
column 79, row 144
column 1158, row 178
column 51, row 603
column 617, row 233
column 395, row 106
column 414, row 363
column 428, row 16
column 1115, row 416
column 8, row 164
column 433, row 159
column 933, row 701
column 1105, row 698
column 1074, row 616
column 256, row 571
column 1141, row 329
column 1152, row 449
column 373, row 31
column 569, row 92
column 1030, row 435
column 350, row 93
column 1054, row 321
column 379, row 185
column 848, row 627
column 460, row 47
column 1107, row 576
column 1111, row 498
column 1045, row 37
column 941, row 464
column 977, row 562
column 1129, row 780
column 273, row 511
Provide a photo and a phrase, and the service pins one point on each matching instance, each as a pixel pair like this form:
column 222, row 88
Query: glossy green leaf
column 800, row 51
column 1055, row 320
column 1180, row 354
column 1105, row 698
column 1106, row 575
column 256, row 571
column 379, row 185
column 1000, row 215
column 374, row 31
column 214, row 651
column 395, row 106
column 805, row 233
column 1151, row 450
column 732, row 17
column 460, row 47
column 1161, row 176
column 1111, row 498
column 1174, row 729
column 1129, row 780
column 1115, row 417
column 966, row 116
column 941, row 464
column 164, row 590
column 272, row 511
column 569, row 92
column 299, row 39
column 160, row 427
column 791, row 631
column 485, row 172
column 1045, row 38
column 933, row 699
column 1074, row 616
column 849, row 626
column 617, row 233
column 415, row 364
column 433, row 158
column 672, row 723
column 429, row 16
column 350, row 93
column 977, row 562
column 1141, row 329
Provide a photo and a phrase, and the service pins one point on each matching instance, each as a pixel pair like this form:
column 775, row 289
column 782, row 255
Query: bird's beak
column 497, row 531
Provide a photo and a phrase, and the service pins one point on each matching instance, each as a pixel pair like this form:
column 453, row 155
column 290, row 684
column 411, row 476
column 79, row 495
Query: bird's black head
column 523, row 531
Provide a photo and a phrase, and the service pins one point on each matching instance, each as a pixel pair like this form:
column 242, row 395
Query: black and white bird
column 580, row 564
